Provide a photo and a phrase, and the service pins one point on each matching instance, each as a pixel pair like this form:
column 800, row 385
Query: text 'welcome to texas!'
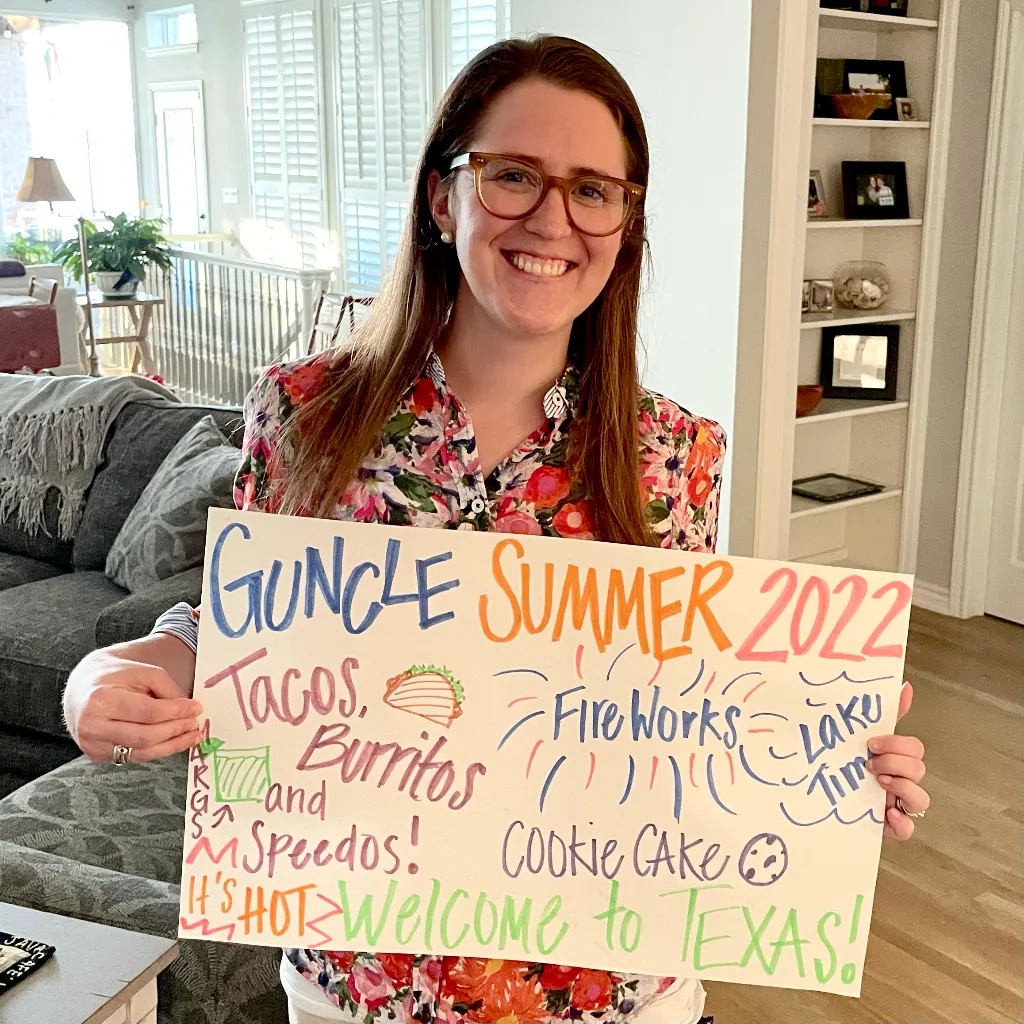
column 500, row 746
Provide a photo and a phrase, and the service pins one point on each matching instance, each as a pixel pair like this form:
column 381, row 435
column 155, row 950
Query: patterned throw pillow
column 166, row 531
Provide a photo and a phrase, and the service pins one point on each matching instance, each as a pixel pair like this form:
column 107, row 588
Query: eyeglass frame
column 476, row 162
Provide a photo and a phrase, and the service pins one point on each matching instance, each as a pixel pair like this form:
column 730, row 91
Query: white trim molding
column 1000, row 216
column 931, row 597
column 171, row 51
column 787, row 237
column 927, row 287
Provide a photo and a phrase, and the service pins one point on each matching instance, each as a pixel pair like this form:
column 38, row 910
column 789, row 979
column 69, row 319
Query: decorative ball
column 862, row 284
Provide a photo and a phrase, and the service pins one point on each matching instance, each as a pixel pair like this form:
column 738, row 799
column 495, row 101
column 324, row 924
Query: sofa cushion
column 16, row 570
column 165, row 533
column 140, row 440
column 44, row 545
column 135, row 615
column 46, row 628
column 25, row 754
column 209, row 983
column 120, row 832
column 124, row 818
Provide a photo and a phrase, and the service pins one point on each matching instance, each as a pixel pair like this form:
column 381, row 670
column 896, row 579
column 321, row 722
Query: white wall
column 218, row 64
column 688, row 65
column 972, row 88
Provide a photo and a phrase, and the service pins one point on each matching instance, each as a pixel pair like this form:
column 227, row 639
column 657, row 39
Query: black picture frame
column 817, row 204
column 892, row 8
column 832, row 78
column 832, row 487
column 896, row 8
column 885, row 391
column 857, row 204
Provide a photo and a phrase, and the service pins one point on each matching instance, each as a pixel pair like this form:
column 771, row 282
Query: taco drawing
column 428, row 691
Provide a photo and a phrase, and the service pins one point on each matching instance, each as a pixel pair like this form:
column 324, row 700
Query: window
column 172, row 27
column 382, row 49
column 285, row 153
column 385, row 93
column 475, row 24
column 46, row 67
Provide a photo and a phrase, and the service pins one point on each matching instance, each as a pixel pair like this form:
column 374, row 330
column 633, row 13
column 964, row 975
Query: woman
column 494, row 387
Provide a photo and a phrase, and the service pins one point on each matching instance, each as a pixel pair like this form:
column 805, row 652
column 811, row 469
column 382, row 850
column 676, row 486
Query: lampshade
column 43, row 183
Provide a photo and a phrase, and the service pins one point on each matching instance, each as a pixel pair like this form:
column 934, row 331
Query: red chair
column 28, row 337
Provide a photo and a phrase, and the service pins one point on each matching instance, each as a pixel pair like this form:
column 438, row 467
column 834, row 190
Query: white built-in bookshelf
column 878, row 441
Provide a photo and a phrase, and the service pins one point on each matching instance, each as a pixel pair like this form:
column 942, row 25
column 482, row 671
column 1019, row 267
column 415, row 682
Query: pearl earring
column 447, row 237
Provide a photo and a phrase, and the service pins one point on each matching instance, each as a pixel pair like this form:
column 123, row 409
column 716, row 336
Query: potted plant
column 119, row 255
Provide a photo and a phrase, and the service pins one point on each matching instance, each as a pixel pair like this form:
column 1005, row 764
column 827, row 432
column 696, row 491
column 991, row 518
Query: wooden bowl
column 807, row 398
column 859, row 106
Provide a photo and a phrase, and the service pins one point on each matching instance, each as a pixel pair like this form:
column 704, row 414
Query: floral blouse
column 426, row 472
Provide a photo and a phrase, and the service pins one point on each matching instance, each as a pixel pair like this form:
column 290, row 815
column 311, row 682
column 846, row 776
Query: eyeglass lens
column 512, row 189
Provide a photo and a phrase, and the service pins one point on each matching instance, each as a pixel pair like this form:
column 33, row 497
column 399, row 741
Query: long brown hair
column 338, row 427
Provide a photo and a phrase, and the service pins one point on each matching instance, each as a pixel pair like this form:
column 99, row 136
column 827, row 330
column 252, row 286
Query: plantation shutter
column 382, row 46
column 282, row 94
column 384, row 99
column 475, row 24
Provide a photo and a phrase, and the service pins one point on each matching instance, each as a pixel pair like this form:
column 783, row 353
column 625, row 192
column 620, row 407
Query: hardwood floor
column 946, row 934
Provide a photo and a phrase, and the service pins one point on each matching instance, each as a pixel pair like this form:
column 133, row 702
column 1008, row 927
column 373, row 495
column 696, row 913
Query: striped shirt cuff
column 181, row 621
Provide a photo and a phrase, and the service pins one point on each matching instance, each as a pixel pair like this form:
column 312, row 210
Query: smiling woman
column 493, row 387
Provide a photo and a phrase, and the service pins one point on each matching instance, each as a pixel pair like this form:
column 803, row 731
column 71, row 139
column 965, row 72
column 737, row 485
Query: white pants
column 307, row 1004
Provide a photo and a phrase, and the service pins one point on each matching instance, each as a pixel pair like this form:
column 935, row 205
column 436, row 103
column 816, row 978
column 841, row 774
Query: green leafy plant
column 128, row 244
column 29, row 250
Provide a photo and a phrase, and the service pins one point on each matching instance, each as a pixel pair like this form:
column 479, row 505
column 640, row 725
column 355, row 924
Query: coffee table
column 97, row 975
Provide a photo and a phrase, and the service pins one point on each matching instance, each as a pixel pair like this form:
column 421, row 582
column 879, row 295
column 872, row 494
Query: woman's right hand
column 123, row 695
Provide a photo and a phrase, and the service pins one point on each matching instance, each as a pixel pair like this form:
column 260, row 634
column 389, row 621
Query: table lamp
column 43, row 183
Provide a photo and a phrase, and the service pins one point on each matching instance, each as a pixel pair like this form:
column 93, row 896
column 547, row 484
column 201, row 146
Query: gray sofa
column 56, row 604
column 95, row 841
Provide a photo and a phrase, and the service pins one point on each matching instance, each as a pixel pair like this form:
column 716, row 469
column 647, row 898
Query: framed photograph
column 816, row 205
column 859, row 89
column 830, row 487
column 906, row 109
column 897, row 7
column 822, row 298
column 894, row 8
column 860, row 362
column 805, row 298
column 875, row 190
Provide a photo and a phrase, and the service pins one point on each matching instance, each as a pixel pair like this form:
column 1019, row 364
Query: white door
column 181, row 157
column 1005, row 588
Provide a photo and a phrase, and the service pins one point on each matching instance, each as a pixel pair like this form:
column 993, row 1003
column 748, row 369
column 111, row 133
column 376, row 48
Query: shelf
column 850, row 122
column 847, row 318
column 801, row 508
column 842, row 408
column 842, row 222
column 871, row 22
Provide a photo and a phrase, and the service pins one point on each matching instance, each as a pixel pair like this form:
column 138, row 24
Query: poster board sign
column 490, row 745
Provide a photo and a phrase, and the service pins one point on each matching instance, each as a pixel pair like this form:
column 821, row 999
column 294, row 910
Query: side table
column 98, row 974
column 140, row 308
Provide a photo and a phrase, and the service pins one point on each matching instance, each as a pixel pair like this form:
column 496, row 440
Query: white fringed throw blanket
column 52, row 431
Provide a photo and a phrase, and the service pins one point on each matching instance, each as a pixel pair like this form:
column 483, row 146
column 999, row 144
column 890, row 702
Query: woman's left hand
column 898, row 764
